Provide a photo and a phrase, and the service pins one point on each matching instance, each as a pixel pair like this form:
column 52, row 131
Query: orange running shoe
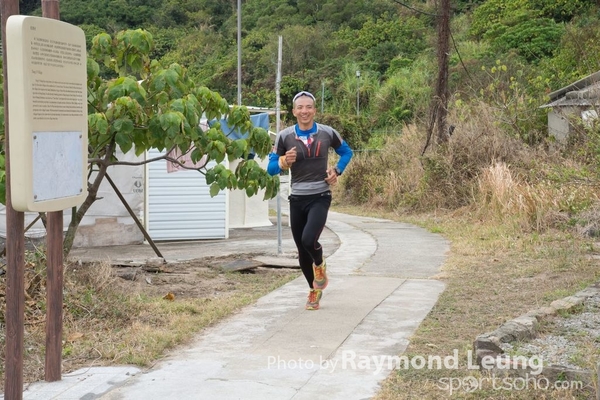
column 314, row 296
column 320, row 272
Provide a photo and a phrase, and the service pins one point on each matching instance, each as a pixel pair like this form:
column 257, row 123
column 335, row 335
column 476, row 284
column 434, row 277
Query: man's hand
column 286, row 161
column 290, row 156
column 332, row 176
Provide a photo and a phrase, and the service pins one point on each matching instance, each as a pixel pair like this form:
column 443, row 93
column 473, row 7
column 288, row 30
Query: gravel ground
column 567, row 341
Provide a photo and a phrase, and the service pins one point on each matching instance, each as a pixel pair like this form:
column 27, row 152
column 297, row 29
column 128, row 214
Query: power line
column 460, row 57
column 452, row 36
column 415, row 9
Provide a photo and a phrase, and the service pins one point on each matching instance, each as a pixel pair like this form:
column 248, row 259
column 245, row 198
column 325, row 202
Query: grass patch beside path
column 112, row 321
column 493, row 274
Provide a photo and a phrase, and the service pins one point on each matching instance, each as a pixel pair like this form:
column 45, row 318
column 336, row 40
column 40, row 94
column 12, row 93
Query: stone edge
column 525, row 327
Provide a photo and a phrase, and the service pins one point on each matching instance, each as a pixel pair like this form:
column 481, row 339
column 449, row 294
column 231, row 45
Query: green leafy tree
column 493, row 12
column 150, row 106
column 465, row 5
column 193, row 13
column 561, row 10
column 405, row 95
column 577, row 55
column 110, row 14
column 532, row 39
column 270, row 15
column 28, row 7
column 385, row 38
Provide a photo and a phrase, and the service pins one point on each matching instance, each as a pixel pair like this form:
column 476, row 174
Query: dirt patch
column 203, row 278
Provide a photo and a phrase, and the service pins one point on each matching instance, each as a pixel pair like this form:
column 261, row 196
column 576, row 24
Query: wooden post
column 54, row 267
column 15, row 254
column 134, row 217
column 54, row 293
column 50, row 9
column 443, row 54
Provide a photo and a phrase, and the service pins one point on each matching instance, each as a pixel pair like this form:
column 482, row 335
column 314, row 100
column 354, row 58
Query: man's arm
column 345, row 153
column 273, row 167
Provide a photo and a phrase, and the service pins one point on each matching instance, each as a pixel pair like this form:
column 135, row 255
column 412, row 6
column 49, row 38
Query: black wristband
column 337, row 171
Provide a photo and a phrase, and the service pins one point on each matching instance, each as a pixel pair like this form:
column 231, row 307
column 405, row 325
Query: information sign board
column 47, row 99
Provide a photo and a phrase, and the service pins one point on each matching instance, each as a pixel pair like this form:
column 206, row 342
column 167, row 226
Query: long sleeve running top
column 312, row 149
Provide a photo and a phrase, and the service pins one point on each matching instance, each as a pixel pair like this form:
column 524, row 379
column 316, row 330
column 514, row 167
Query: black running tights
column 308, row 215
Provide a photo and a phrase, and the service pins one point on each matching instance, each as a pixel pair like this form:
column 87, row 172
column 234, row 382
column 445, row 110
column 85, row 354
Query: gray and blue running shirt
column 310, row 169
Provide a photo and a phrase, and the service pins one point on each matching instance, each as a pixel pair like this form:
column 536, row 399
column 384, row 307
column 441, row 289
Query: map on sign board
column 55, row 153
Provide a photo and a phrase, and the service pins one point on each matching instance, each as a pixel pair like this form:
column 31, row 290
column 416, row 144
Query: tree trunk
column 442, row 93
column 438, row 110
column 89, row 200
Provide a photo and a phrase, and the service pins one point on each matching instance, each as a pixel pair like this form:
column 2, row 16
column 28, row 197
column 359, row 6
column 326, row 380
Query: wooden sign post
column 46, row 60
column 54, row 267
column 15, row 253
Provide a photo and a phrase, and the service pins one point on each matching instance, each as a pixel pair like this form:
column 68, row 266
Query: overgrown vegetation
column 545, row 44
column 523, row 221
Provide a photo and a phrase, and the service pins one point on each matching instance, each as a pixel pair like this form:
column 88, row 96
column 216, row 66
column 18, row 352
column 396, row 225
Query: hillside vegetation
column 543, row 44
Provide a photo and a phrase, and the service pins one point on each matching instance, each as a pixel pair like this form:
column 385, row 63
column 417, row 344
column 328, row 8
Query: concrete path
column 379, row 292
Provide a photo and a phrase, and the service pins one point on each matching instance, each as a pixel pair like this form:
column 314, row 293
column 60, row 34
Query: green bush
column 404, row 95
column 493, row 12
column 355, row 130
column 577, row 55
column 532, row 39
column 561, row 10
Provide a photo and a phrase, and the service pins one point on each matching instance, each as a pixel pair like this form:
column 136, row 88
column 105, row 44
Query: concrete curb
column 488, row 351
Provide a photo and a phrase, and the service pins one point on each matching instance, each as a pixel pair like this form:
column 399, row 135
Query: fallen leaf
column 169, row 296
column 74, row 336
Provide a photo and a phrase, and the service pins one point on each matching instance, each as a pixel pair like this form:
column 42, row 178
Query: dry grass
column 108, row 320
column 402, row 176
column 494, row 273
column 523, row 223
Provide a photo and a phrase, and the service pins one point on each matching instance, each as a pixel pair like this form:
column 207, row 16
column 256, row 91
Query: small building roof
column 584, row 92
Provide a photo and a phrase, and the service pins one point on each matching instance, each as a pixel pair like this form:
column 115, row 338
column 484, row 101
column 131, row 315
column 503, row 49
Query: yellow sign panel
column 47, row 105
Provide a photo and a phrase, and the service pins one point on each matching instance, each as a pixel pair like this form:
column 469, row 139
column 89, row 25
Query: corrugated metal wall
column 179, row 206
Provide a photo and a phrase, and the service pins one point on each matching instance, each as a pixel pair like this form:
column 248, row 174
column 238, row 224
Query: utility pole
column 278, row 125
column 442, row 92
column 439, row 105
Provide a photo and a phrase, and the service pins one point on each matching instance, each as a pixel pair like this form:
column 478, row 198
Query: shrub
column 400, row 177
column 389, row 177
column 404, row 96
column 354, row 129
column 532, row 39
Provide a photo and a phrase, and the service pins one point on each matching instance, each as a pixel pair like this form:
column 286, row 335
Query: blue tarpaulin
column 258, row 120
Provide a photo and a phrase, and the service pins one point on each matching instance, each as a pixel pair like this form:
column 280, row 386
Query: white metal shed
column 179, row 205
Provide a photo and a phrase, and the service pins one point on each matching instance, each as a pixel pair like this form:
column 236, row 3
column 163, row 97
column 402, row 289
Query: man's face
column 304, row 111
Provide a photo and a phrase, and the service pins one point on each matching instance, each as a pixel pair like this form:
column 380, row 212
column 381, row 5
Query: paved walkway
column 379, row 292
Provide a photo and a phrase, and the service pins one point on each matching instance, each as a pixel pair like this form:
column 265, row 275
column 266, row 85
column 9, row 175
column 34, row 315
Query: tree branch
column 165, row 157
